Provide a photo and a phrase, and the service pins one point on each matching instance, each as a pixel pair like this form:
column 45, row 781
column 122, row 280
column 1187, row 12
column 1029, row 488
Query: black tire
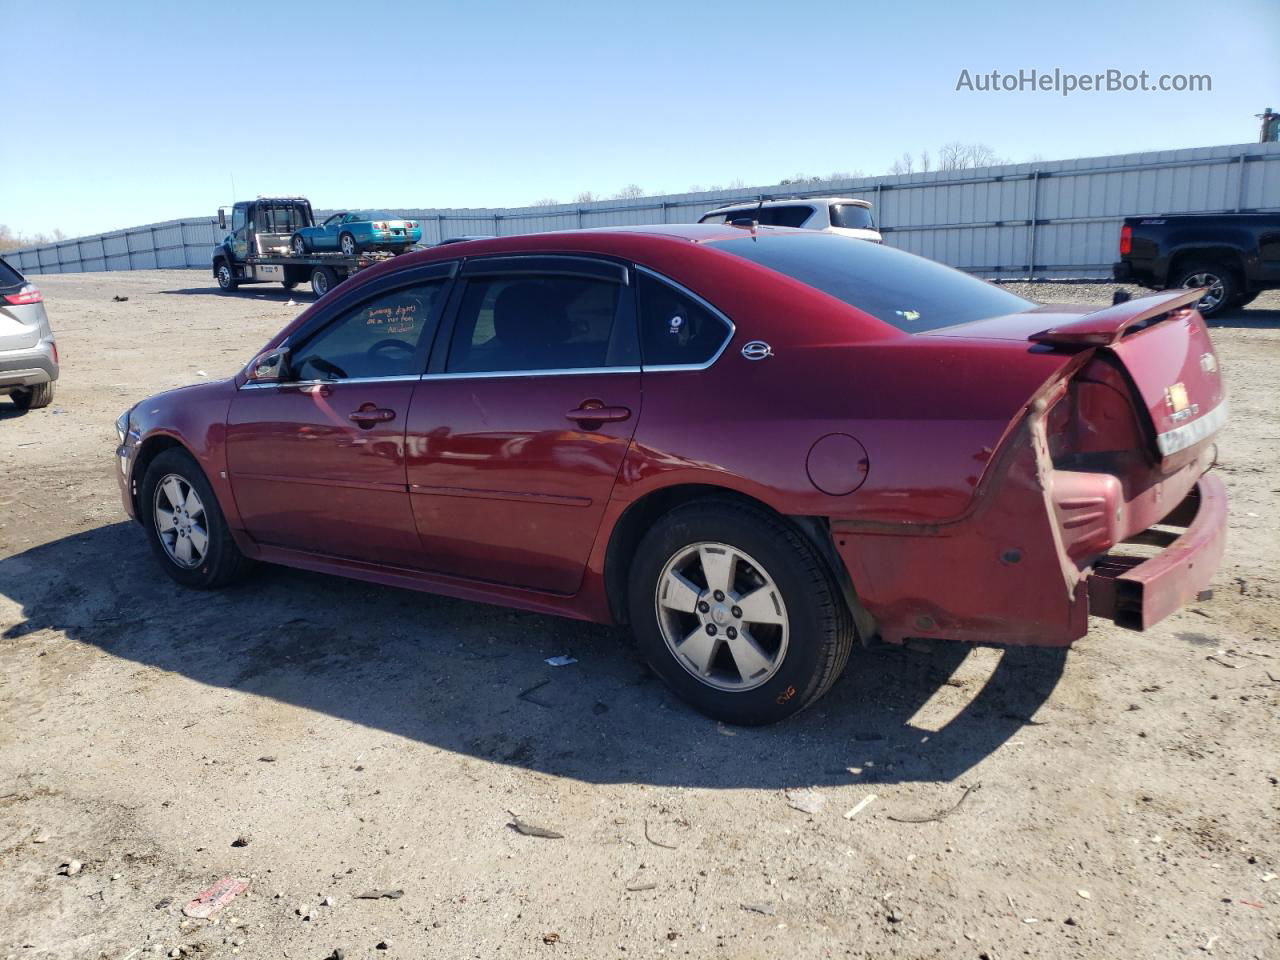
column 298, row 245
column 819, row 623
column 342, row 245
column 222, row 562
column 323, row 279
column 226, row 278
column 288, row 284
column 1244, row 299
column 1214, row 276
column 30, row 398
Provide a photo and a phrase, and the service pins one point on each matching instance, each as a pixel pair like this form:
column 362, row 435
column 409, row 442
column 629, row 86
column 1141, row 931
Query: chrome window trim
column 251, row 385
column 493, row 374
column 679, row 367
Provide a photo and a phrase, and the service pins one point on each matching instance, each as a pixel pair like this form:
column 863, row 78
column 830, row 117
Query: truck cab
column 256, row 247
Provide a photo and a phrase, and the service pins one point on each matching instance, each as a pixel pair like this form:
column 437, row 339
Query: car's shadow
column 301, row 294
column 472, row 679
column 1246, row 319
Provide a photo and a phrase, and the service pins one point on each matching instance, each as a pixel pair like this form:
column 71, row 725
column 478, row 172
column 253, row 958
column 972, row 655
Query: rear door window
column 676, row 328
column 853, row 216
column 789, row 216
column 524, row 322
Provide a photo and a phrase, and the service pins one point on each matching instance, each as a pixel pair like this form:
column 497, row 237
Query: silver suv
column 28, row 352
column 842, row 215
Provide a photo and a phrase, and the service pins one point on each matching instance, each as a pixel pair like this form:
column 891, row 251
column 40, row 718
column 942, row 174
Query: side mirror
column 222, row 219
column 269, row 367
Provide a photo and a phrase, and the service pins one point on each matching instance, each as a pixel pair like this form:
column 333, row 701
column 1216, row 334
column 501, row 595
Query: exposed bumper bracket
column 1137, row 592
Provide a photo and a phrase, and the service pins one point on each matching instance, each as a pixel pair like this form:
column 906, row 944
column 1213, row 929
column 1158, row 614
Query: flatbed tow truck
column 256, row 250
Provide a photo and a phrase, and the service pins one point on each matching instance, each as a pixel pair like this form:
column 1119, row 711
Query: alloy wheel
column 180, row 521
column 1214, row 289
column 349, row 246
column 722, row 616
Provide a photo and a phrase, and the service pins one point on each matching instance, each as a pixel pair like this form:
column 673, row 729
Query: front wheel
column 1221, row 286
column 226, row 279
column 185, row 525
column 737, row 612
column 348, row 245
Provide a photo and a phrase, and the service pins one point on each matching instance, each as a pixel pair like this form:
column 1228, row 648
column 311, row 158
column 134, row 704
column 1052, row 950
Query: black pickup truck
column 1234, row 256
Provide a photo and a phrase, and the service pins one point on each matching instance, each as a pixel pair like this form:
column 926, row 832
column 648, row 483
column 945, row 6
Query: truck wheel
column 323, row 279
column 1221, row 286
column 736, row 611
column 348, row 244
column 41, row 395
column 226, row 279
column 288, row 284
column 299, row 247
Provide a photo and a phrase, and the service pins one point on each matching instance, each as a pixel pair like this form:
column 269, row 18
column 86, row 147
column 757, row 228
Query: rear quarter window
column 908, row 292
column 852, row 216
column 9, row 277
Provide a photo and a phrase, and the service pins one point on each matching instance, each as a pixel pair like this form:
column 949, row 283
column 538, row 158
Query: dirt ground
column 1117, row 800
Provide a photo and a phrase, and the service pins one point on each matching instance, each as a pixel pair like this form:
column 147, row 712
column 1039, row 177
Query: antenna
column 233, row 186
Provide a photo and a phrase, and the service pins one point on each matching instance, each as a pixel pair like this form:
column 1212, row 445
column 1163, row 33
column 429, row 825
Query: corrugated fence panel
column 1054, row 219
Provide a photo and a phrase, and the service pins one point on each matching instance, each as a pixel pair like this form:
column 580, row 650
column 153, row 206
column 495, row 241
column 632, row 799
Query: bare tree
column 586, row 196
column 631, row 191
column 547, row 202
column 965, row 156
column 10, row 239
column 903, row 165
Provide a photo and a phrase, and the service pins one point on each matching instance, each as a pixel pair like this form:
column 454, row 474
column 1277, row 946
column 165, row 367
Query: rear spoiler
column 1109, row 325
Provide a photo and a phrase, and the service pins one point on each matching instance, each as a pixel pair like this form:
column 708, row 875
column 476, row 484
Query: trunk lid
column 20, row 325
column 1161, row 341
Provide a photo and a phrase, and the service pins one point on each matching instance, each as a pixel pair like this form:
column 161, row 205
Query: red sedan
column 754, row 446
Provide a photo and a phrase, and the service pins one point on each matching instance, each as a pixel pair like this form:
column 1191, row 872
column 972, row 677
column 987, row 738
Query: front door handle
column 593, row 411
column 368, row 415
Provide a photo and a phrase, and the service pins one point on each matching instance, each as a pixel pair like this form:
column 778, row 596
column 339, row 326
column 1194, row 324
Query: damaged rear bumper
column 1137, row 592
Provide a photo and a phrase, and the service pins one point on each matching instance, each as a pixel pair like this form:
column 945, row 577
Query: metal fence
column 1048, row 219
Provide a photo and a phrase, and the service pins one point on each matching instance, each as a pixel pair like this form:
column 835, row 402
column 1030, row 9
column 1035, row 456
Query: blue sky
column 125, row 113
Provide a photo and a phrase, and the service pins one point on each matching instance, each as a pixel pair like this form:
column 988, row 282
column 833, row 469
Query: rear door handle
column 368, row 415
column 596, row 412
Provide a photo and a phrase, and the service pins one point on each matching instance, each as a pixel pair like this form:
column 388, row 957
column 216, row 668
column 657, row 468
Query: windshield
column 852, row 215
column 377, row 215
column 909, row 292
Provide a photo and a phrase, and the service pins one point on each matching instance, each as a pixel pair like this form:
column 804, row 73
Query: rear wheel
column 323, row 279
column 1244, row 299
column 299, row 247
column 226, row 279
column 347, row 243
column 41, row 395
column 288, row 284
column 1220, row 283
column 185, row 525
column 736, row 611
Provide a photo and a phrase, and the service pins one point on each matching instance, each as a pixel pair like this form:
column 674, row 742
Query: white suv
column 851, row 218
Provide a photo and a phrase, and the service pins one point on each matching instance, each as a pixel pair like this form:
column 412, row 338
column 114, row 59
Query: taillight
column 413, row 224
column 1126, row 240
column 379, row 225
column 28, row 294
column 54, row 345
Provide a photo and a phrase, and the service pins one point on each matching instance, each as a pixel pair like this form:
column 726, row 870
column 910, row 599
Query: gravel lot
column 361, row 738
